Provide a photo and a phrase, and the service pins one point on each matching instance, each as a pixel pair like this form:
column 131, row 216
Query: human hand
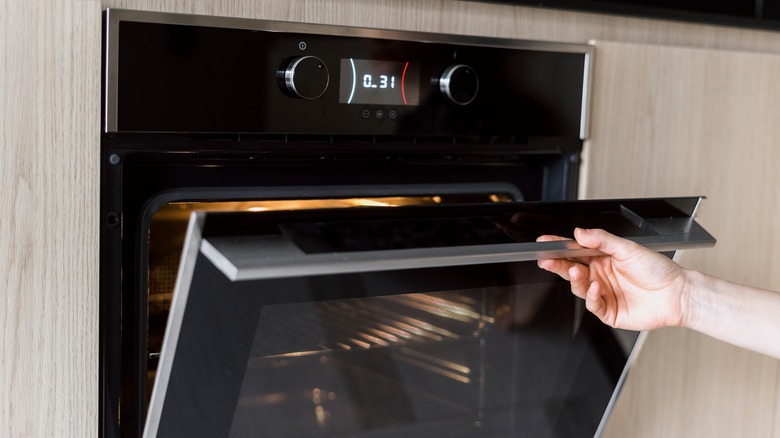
column 629, row 287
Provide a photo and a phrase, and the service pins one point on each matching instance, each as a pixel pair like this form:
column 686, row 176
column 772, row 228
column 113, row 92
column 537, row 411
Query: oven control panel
column 374, row 82
column 246, row 76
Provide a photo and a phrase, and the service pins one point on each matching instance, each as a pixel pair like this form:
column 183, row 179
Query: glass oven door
column 409, row 321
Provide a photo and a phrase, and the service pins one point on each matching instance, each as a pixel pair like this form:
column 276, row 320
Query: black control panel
column 195, row 78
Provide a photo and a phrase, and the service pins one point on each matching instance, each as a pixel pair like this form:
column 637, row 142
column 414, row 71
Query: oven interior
column 168, row 226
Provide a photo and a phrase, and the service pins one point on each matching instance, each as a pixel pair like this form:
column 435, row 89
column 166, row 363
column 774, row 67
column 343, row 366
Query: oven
column 317, row 230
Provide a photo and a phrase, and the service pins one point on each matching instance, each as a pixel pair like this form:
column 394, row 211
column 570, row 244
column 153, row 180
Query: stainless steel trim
column 640, row 341
column 192, row 244
column 114, row 16
column 111, row 57
column 251, row 257
column 695, row 212
column 586, row 83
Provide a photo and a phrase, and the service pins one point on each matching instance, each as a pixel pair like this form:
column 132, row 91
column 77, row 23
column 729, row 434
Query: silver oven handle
column 257, row 257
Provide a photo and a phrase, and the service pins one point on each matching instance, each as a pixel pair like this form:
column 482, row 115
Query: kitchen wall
column 683, row 385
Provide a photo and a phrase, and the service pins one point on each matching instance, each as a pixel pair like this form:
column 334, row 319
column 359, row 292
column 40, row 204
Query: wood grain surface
column 671, row 121
column 49, row 192
column 683, row 385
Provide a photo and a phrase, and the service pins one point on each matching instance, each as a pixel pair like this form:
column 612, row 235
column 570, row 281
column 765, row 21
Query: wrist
column 689, row 306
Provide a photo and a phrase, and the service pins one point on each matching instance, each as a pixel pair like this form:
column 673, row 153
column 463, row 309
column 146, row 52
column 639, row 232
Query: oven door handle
column 256, row 258
column 284, row 244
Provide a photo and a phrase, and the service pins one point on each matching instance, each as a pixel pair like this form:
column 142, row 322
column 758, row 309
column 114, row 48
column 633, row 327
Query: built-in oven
column 330, row 231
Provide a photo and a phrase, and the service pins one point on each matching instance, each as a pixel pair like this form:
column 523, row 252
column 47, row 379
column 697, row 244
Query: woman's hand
column 630, row 287
column 635, row 288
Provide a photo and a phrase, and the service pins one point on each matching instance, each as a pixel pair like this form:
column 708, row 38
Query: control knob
column 459, row 83
column 305, row 77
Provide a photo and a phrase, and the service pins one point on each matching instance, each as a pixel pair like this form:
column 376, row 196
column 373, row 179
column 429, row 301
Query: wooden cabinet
column 49, row 198
column 670, row 121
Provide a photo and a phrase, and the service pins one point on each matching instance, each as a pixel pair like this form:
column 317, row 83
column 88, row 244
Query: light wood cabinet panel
column 49, row 194
column 670, row 121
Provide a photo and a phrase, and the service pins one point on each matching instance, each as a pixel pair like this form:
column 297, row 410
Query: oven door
column 406, row 321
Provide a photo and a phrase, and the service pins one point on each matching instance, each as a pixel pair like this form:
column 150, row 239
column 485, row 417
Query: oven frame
column 122, row 259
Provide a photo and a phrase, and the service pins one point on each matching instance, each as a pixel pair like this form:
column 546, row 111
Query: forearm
column 741, row 315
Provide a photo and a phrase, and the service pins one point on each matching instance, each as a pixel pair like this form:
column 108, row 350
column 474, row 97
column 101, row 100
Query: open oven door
column 408, row 321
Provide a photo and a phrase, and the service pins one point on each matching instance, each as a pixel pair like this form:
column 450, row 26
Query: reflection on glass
column 503, row 361
column 169, row 225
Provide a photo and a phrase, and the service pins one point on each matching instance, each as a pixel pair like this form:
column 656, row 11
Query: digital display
column 364, row 81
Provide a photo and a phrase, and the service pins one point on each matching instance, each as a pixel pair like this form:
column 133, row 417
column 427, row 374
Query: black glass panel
column 177, row 78
column 321, row 237
column 407, row 353
column 430, row 226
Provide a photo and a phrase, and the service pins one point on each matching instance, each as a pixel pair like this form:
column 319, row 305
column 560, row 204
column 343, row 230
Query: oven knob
column 304, row 76
column 459, row 83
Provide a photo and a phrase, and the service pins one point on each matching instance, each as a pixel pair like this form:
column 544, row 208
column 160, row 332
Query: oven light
column 322, row 415
column 258, row 209
column 316, row 393
column 370, row 203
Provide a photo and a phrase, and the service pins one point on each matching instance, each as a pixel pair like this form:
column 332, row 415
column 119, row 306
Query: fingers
column 577, row 273
column 550, row 238
column 598, row 303
column 557, row 266
column 565, row 267
column 578, row 277
column 554, row 238
column 605, row 242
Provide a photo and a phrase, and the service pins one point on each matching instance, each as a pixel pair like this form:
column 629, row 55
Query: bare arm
column 635, row 288
column 741, row 315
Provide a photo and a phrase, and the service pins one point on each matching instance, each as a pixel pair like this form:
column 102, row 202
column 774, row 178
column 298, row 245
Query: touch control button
column 366, row 113
column 380, row 114
column 306, row 77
